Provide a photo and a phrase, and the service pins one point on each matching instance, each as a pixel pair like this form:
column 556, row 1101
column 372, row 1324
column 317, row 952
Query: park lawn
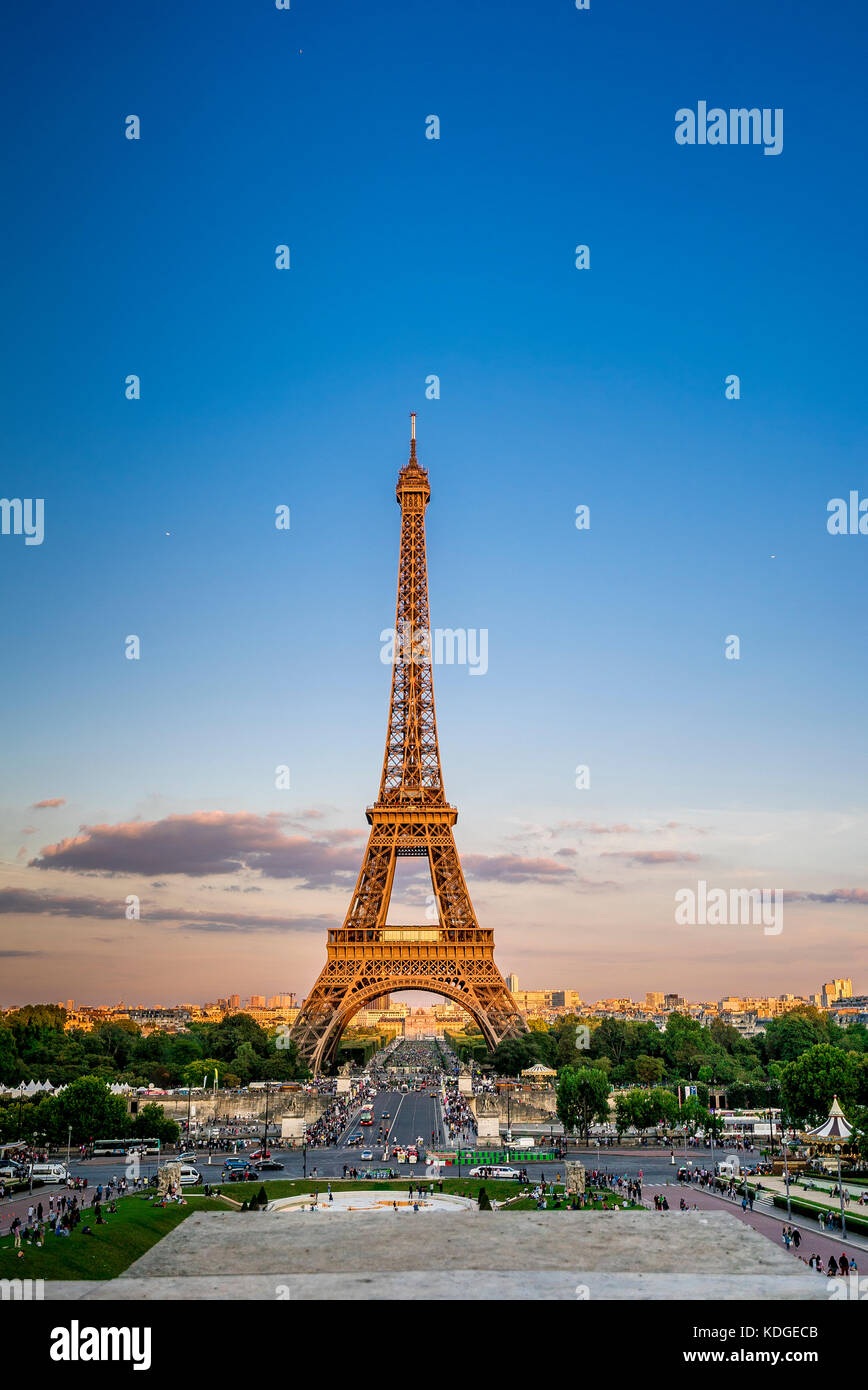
column 499, row 1190
column 856, row 1219
column 529, row 1204
column 285, row 1187
column 112, row 1248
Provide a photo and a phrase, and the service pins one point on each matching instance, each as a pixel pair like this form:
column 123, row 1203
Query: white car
column 493, row 1171
column 366, row 1153
column 190, row 1177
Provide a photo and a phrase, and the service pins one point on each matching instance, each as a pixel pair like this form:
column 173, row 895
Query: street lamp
column 786, row 1163
column 841, row 1194
column 713, row 1119
column 265, row 1133
column 68, row 1144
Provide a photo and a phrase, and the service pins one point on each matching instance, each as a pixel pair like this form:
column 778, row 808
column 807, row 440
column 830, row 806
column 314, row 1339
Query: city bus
column 366, row 1115
column 108, row 1148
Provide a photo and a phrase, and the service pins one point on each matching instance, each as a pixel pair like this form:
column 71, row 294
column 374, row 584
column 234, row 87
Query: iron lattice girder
column 453, row 957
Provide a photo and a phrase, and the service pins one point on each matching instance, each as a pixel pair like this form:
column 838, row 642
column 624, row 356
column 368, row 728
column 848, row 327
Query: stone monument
column 575, row 1178
column 168, row 1176
column 292, row 1124
column 487, row 1119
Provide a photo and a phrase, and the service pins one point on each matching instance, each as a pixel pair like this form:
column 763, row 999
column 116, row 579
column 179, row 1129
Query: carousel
column 833, row 1139
column 539, row 1074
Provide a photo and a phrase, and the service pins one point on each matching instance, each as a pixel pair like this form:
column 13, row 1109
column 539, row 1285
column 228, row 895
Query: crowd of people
column 333, row 1122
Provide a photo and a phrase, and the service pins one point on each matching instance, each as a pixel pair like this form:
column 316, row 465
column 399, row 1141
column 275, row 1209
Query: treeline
column 800, row 1062
column 34, row 1043
column 85, row 1110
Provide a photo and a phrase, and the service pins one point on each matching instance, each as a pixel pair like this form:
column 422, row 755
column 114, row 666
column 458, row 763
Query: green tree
column 649, row 1069
column 684, row 1043
column 116, row 1040
column 89, row 1107
column 809, row 1084
column 204, row 1067
column 794, row 1032
column 9, row 1072
column 152, row 1122
column 247, row 1064
column 582, row 1098
column 630, row 1111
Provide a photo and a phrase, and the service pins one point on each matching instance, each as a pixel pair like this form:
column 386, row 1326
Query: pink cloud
column 652, row 856
column 26, row 902
column 513, row 868
column 51, row 801
column 206, row 842
column 835, row 895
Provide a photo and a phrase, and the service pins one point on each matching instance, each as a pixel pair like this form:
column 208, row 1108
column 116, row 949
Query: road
column 401, row 1119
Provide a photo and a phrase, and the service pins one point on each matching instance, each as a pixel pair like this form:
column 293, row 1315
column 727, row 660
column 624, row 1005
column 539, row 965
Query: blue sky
column 454, row 257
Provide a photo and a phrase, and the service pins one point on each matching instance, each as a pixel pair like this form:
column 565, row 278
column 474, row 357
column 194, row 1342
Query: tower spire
column 412, row 436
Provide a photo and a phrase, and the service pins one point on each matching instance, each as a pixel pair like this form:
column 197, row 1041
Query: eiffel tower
column 367, row 958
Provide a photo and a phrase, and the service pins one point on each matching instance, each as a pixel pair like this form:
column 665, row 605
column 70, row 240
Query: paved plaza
column 567, row 1256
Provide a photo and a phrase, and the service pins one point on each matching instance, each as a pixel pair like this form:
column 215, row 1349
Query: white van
column 49, row 1172
column 190, row 1177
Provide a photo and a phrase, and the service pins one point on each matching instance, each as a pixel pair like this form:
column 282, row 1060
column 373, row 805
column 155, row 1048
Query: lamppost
column 265, row 1132
column 786, row 1163
column 713, row 1118
column 841, row 1194
column 68, row 1144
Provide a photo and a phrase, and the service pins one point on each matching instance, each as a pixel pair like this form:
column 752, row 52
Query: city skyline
column 558, row 388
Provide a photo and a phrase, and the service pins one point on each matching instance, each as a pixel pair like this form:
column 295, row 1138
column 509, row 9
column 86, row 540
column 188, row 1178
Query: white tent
column 834, row 1130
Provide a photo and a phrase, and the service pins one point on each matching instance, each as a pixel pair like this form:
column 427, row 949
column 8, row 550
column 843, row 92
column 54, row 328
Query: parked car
column 494, row 1171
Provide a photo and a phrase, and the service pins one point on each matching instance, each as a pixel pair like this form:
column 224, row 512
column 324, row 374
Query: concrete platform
column 480, row 1256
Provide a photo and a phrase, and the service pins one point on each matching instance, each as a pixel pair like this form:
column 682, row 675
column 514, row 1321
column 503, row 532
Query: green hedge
column 799, row 1204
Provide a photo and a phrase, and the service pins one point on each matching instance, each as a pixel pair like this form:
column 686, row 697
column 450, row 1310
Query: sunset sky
column 559, row 387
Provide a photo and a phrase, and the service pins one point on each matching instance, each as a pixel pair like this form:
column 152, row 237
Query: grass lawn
column 499, row 1189
column 112, row 1248
column 284, row 1187
column 529, row 1204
